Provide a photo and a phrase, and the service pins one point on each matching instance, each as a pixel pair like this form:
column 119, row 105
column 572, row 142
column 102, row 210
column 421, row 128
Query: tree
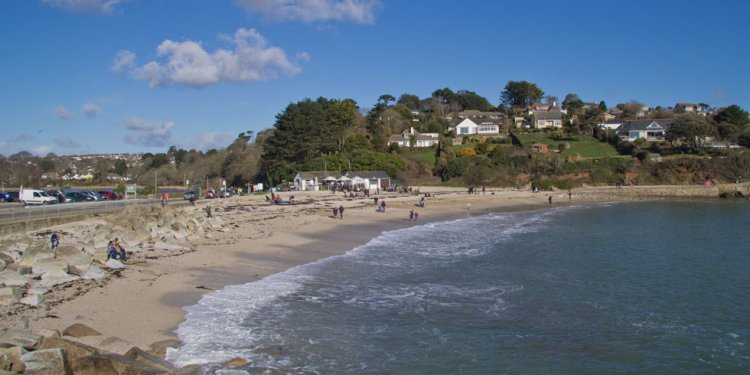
column 386, row 99
column 471, row 100
column 691, row 129
column 410, row 101
column 550, row 100
column 520, row 93
column 46, row 165
column 733, row 115
column 120, row 168
column 572, row 102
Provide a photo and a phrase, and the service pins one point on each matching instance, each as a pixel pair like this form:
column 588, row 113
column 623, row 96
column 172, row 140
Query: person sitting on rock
column 112, row 251
column 120, row 250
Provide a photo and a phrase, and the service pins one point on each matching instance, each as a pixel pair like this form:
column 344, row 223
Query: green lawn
column 585, row 146
column 426, row 155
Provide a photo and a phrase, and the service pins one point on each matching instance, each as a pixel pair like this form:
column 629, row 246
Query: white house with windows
column 469, row 127
column 650, row 130
column 546, row 119
column 420, row 139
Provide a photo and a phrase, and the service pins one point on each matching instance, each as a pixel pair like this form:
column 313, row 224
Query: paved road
column 13, row 212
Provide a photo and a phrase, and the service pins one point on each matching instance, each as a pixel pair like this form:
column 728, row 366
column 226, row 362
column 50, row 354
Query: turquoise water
column 652, row 288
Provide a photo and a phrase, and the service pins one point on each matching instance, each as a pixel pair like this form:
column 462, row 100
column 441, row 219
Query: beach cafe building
column 321, row 180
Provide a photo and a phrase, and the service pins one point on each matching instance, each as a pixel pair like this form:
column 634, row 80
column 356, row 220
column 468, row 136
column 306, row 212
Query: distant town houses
column 413, row 138
column 476, row 114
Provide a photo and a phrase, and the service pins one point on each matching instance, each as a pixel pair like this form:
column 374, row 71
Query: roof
column 636, row 125
column 547, row 115
column 320, row 175
column 367, row 174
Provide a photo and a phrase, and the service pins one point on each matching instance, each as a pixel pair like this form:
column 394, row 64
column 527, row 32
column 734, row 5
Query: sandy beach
column 144, row 303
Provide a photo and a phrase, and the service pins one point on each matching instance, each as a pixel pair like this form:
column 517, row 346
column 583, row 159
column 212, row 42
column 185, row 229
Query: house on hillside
column 690, row 108
column 475, row 114
column 468, row 127
column 546, row 119
column 650, row 130
column 420, row 139
column 612, row 124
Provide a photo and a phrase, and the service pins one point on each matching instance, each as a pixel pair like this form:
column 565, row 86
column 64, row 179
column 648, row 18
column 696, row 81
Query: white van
column 32, row 196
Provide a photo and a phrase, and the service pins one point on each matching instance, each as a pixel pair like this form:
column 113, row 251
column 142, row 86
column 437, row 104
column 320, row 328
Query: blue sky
column 105, row 76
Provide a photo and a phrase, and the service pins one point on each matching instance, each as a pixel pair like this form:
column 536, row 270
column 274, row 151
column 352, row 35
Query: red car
column 110, row 195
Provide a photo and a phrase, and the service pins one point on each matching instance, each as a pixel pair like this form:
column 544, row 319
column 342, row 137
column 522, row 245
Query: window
column 464, row 130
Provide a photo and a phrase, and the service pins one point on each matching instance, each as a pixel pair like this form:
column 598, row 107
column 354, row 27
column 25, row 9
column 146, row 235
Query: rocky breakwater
column 32, row 274
column 51, row 352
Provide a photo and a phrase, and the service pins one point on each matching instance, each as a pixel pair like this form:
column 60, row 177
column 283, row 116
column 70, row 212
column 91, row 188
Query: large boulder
column 67, row 251
column 92, row 365
column 79, row 263
column 10, row 278
column 42, row 266
column 32, row 300
column 80, row 330
column 149, row 360
column 5, row 363
column 125, row 365
column 56, row 277
column 14, row 355
column 11, row 337
column 9, row 295
column 73, row 350
column 45, row 362
column 159, row 348
column 38, row 289
column 36, row 252
column 2, row 264
column 115, row 264
column 8, row 257
column 94, row 273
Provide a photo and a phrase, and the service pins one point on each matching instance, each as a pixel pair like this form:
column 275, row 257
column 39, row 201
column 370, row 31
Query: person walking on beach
column 335, row 212
column 382, row 206
column 54, row 240
column 549, row 199
column 341, row 212
column 411, row 215
column 416, row 216
column 164, row 199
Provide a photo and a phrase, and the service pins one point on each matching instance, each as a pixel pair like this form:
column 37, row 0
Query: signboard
column 131, row 189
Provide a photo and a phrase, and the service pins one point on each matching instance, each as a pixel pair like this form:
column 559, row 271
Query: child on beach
column 416, row 216
column 54, row 241
column 335, row 212
column 341, row 212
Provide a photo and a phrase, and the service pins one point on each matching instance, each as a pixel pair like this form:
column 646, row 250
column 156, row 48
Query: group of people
column 116, row 251
column 338, row 212
column 276, row 199
column 413, row 216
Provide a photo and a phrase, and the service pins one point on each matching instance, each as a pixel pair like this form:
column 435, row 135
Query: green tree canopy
column 733, row 115
column 520, row 93
column 691, row 129
column 410, row 101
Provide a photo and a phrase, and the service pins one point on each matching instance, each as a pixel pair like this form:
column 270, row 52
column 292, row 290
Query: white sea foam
column 225, row 323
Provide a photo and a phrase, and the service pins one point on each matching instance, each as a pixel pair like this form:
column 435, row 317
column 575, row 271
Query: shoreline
column 145, row 304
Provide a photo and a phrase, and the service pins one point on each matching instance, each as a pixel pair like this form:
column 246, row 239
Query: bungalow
column 650, row 130
column 420, row 139
column 546, row 119
column 469, row 127
column 369, row 179
column 612, row 124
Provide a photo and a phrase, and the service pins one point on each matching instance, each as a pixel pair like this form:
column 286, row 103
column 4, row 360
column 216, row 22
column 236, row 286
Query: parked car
column 93, row 195
column 12, row 196
column 77, row 196
column 225, row 193
column 33, row 196
column 189, row 194
column 59, row 195
column 5, row 196
column 210, row 194
column 109, row 195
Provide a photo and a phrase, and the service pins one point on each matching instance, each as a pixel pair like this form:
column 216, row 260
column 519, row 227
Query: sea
column 627, row 288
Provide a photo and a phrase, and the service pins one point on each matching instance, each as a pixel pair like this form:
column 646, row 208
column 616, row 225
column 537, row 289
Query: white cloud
column 250, row 59
column 63, row 113
column 148, row 133
column 41, row 150
column 90, row 109
column 311, row 11
column 106, row 7
column 67, row 143
column 207, row 141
